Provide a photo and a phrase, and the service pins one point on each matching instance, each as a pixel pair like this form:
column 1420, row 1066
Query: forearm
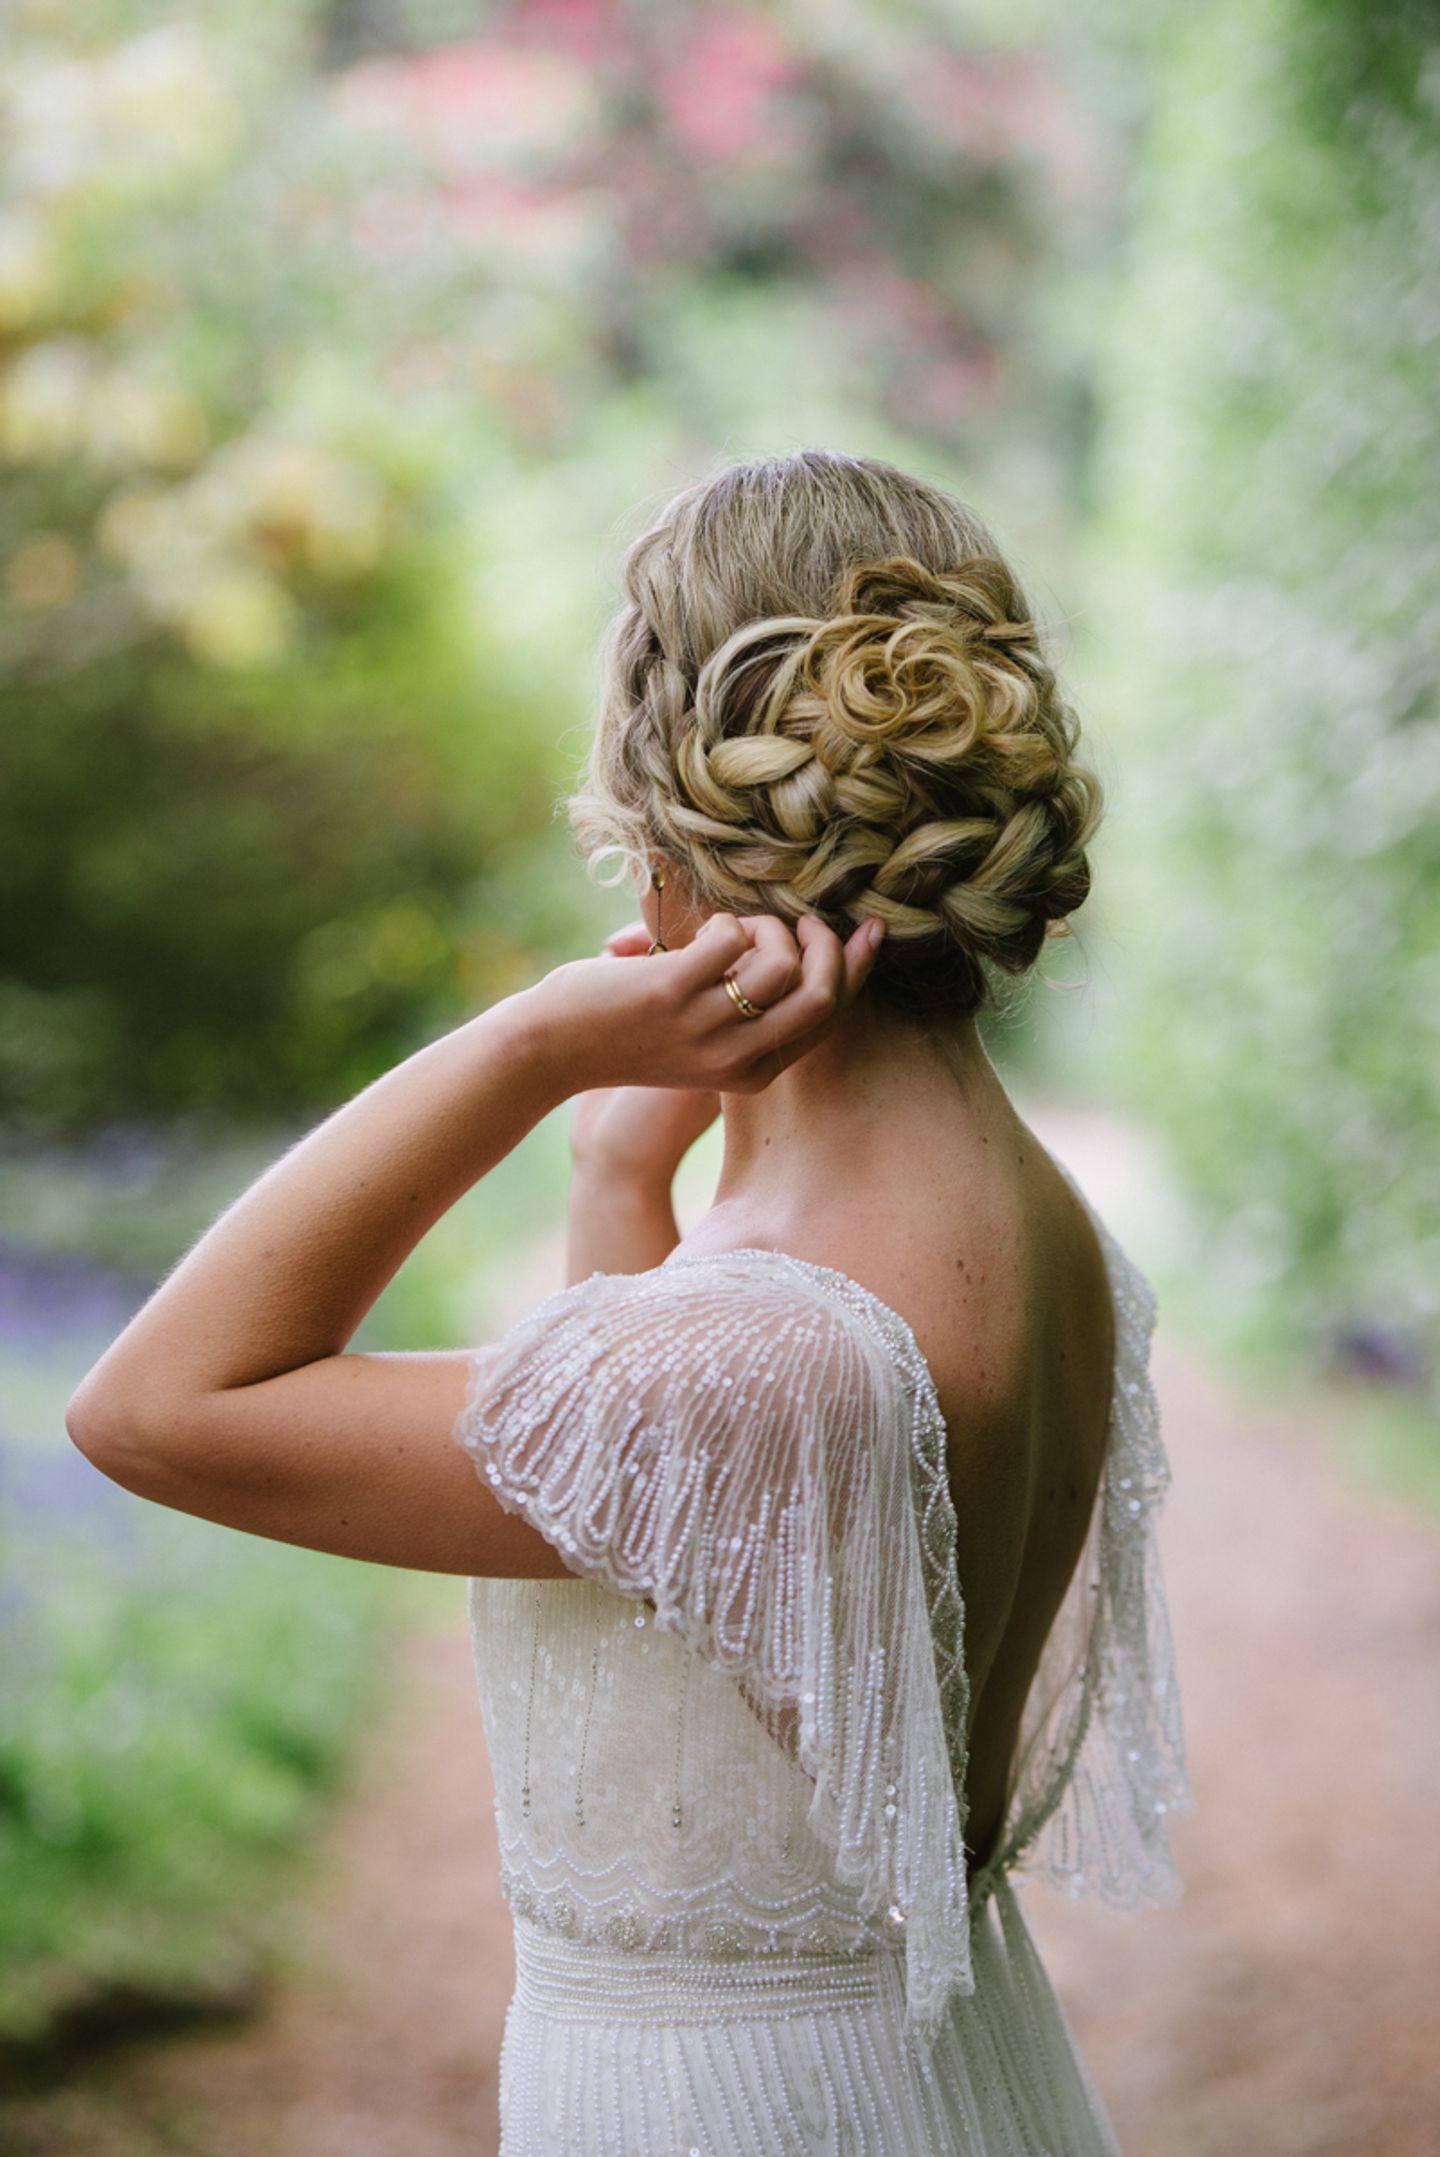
column 285, row 1276
column 617, row 1224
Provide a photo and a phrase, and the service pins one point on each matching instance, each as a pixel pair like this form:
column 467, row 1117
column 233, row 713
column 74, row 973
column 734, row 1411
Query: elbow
column 113, row 1434
column 165, row 1449
column 89, row 1419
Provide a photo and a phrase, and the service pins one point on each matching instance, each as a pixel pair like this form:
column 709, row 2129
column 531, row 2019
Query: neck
column 843, row 1120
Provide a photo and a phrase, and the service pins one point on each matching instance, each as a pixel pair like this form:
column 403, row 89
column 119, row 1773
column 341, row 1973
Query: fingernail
column 874, row 931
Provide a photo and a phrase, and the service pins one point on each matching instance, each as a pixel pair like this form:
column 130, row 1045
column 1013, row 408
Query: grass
column 179, row 1718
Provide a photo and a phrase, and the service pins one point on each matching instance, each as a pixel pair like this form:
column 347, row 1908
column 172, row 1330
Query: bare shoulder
column 1005, row 1280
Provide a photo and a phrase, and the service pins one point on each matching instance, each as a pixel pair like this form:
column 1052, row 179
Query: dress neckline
column 832, row 1273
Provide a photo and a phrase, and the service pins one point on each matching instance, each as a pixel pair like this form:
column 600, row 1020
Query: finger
column 809, row 1009
column 859, row 953
column 771, row 967
column 711, row 952
column 858, row 956
column 815, row 998
column 831, row 980
column 633, row 941
column 862, row 949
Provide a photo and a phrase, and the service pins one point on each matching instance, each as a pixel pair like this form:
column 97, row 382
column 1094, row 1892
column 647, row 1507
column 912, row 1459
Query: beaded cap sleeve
column 750, row 1442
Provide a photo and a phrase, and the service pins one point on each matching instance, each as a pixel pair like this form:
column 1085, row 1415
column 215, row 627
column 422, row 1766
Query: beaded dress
column 730, row 1755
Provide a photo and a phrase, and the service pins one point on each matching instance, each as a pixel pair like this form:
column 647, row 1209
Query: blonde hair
column 824, row 692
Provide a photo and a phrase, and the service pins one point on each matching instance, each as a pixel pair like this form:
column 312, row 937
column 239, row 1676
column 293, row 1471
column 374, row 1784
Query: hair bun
column 931, row 663
column 810, row 725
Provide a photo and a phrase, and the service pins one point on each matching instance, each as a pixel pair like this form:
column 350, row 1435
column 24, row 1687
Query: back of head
column 825, row 694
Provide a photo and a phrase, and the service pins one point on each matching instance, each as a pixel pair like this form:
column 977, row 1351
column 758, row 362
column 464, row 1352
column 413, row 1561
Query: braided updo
column 825, row 694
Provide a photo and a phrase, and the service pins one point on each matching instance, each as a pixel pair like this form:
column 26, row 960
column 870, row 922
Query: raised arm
column 230, row 1394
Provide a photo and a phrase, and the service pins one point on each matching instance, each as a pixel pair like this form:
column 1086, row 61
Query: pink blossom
column 722, row 91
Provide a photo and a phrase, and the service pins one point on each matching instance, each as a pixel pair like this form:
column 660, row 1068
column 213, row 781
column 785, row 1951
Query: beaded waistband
column 584, row 1981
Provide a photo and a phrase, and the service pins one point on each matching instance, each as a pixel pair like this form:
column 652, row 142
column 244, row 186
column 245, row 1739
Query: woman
column 812, row 1565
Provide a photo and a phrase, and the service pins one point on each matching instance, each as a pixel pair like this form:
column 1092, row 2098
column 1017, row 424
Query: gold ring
column 740, row 1000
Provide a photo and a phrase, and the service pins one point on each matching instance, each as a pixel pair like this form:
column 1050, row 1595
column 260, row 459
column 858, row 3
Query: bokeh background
column 344, row 344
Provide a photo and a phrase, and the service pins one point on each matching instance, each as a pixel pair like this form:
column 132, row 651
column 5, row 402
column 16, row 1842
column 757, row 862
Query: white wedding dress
column 730, row 1755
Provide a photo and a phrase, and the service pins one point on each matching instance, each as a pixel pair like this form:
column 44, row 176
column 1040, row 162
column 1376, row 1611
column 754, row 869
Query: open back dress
column 730, row 1755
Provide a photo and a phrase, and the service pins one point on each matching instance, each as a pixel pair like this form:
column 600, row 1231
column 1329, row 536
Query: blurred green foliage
column 1266, row 607
column 271, row 801
column 175, row 1722
column 328, row 354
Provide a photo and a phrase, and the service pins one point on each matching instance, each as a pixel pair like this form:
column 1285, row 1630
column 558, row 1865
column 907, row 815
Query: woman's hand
column 232, row 1395
column 626, row 1143
column 628, row 1139
column 669, row 1021
column 636, row 1135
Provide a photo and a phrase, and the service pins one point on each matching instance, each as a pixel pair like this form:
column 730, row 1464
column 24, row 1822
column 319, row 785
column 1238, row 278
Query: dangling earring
column 657, row 885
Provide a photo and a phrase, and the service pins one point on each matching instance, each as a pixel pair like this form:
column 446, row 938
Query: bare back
column 1022, row 1352
column 978, row 1240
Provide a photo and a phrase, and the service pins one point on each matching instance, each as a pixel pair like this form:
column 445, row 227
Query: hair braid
column 888, row 741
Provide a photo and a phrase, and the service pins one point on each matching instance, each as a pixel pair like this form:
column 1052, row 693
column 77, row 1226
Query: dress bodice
column 740, row 1731
column 640, row 1802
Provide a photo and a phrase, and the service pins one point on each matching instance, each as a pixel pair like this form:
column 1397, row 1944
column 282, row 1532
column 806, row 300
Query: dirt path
column 1288, row 2006
column 1290, row 2002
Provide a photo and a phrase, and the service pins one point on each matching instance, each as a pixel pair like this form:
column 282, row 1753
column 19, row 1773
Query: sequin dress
column 730, row 1754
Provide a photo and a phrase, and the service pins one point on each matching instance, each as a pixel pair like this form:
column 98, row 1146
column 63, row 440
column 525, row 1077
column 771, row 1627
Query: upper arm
column 672, row 1431
column 351, row 1454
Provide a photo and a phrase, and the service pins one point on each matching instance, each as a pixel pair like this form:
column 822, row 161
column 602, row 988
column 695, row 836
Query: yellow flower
column 238, row 618
column 300, row 501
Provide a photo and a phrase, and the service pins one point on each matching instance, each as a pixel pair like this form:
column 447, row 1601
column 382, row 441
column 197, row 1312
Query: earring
column 657, row 885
